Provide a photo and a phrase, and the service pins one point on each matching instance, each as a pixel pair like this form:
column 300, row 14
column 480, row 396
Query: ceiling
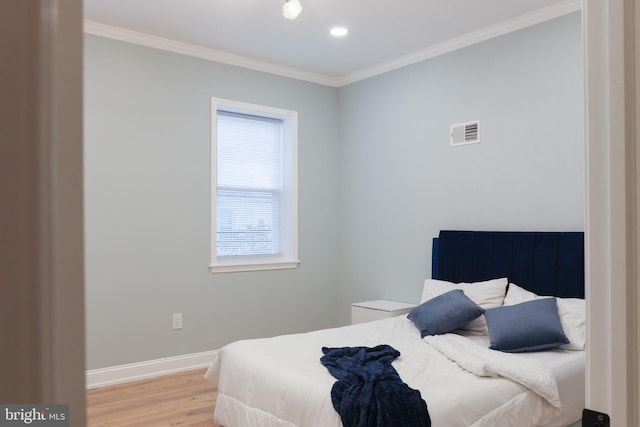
column 382, row 34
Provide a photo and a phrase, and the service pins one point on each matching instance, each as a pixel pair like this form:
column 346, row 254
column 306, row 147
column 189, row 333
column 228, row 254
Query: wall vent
column 465, row 133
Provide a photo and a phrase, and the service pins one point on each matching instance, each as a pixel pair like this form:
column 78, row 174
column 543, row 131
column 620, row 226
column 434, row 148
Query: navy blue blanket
column 369, row 391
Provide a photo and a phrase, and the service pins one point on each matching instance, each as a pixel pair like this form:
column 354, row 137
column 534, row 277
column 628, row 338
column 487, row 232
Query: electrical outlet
column 177, row 321
column 595, row 419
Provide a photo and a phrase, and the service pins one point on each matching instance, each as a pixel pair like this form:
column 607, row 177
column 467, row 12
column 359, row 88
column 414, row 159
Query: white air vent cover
column 465, row 133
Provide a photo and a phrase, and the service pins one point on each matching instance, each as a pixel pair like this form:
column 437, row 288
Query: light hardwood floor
column 184, row 399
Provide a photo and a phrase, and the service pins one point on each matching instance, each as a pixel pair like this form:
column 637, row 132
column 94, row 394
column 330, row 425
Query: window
column 253, row 187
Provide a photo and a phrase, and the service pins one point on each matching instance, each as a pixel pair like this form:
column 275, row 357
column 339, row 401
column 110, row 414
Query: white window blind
column 254, row 187
column 249, row 176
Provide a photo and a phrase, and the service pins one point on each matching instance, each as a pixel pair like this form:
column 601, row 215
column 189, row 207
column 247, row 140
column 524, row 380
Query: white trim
column 174, row 46
column 232, row 268
column 288, row 258
column 545, row 14
column 611, row 381
column 152, row 368
column 518, row 23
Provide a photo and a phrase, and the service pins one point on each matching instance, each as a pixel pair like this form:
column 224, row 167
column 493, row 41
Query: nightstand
column 379, row 309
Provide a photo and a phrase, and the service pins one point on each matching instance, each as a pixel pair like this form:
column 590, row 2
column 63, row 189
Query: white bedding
column 279, row 381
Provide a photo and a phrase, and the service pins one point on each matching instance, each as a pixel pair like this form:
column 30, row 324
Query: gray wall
column 377, row 181
column 147, row 136
column 402, row 182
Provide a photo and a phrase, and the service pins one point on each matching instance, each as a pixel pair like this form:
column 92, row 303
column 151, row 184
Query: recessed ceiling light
column 338, row 32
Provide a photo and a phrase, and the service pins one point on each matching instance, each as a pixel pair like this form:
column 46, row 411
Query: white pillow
column 572, row 312
column 488, row 294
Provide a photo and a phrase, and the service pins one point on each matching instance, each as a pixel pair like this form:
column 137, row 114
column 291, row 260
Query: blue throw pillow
column 444, row 313
column 528, row 326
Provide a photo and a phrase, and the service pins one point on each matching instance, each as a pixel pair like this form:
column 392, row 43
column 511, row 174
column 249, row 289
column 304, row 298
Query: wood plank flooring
column 183, row 399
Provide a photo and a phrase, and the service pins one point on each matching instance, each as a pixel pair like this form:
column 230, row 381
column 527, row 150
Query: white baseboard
column 152, row 368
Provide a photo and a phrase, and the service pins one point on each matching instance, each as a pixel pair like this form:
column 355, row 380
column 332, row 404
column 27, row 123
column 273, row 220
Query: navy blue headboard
column 547, row 263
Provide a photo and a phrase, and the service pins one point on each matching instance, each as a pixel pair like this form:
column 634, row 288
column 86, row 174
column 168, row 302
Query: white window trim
column 289, row 257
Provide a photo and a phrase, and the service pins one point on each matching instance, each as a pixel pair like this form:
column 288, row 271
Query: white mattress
column 280, row 381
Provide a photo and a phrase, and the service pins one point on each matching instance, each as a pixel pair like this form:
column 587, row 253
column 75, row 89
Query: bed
column 533, row 374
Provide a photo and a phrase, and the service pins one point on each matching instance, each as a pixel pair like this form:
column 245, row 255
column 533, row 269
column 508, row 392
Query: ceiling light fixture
column 291, row 9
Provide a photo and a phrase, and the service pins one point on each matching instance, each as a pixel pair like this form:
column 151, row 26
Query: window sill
column 249, row 266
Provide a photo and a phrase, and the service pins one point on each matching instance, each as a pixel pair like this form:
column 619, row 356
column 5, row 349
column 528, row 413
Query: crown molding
column 518, row 23
column 122, row 34
column 523, row 21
